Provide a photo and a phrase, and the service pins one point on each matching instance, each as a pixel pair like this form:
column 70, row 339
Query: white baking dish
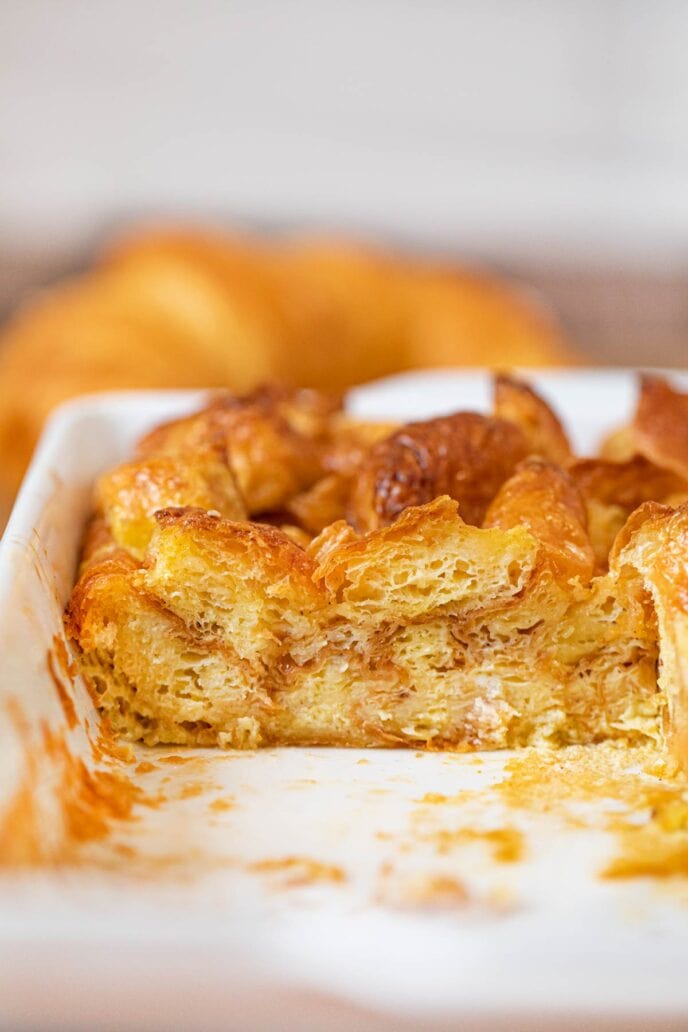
column 184, row 917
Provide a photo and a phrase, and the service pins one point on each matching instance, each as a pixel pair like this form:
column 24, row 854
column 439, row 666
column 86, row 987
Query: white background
column 529, row 133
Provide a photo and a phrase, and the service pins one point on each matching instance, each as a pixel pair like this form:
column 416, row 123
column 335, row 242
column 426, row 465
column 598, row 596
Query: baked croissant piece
column 452, row 583
column 193, row 309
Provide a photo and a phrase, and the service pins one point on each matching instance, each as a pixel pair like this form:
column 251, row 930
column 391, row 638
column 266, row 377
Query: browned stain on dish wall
column 65, row 661
column 106, row 748
column 91, row 799
column 20, row 838
column 21, row 841
column 61, row 803
column 66, row 700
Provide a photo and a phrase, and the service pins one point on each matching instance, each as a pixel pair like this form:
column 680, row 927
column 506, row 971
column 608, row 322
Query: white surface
column 231, row 949
column 504, row 127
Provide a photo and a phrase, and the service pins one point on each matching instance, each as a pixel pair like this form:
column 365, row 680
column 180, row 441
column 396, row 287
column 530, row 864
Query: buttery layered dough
column 270, row 571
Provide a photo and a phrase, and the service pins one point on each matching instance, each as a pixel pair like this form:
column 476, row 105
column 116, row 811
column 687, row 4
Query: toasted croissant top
column 517, row 402
column 657, row 430
column 293, row 458
column 466, row 456
column 542, row 497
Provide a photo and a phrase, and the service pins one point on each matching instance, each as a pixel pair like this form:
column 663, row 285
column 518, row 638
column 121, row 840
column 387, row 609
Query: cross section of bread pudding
column 270, row 571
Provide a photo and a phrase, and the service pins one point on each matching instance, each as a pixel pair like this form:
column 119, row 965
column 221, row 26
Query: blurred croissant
column 189, row 309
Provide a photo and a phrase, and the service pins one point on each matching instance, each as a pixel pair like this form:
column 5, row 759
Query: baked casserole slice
column 271, row 571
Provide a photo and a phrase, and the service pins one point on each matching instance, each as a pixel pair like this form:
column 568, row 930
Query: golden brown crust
column 98, row 542
column 274, row 439
column 78, row 613
column 129, row 496
column 542, row 497
column 653, row 512
column 322, row 504
column 628, row 483
column 419, row 562
column 263, row 542
column 656, row 544
column 660, row 427
column 612, row 490
column 349, row 442
column 658, row 430
column 331, row 538
column 466, row 456
column 518, row 403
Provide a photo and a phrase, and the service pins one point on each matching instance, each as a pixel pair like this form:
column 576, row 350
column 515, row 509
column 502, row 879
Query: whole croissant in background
column 190, row 309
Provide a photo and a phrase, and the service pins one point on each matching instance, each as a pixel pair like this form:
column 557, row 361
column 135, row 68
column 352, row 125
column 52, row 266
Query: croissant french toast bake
column 191, row 308
column 272, row 571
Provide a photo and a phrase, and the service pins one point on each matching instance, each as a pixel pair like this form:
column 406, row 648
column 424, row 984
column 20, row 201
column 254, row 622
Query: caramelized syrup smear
column 66, row 700
column 506, row 844
column 642, row 804
column 222, row 805
column 89, row 801
column 299, row 871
